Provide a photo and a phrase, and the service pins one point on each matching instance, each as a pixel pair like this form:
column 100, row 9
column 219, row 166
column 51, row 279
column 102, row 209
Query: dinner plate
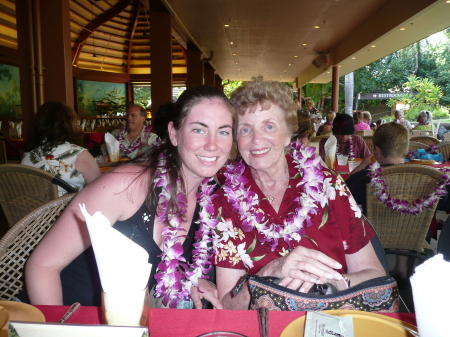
column 424, row 162
column 18, row 311
column 366, row 324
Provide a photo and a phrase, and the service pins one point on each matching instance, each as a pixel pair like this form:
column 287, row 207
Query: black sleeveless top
column 80, row 279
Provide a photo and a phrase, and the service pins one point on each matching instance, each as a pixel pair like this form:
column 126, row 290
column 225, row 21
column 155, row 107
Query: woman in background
column 359, row 121
column 425, row 120
column 328, row 125
column 53, row 146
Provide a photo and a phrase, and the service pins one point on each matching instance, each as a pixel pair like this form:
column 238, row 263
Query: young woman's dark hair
column 162, row 119
column 181, row 109
column 55, row 123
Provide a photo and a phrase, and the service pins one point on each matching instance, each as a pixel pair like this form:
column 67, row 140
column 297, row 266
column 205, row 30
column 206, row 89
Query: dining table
column 192, row 322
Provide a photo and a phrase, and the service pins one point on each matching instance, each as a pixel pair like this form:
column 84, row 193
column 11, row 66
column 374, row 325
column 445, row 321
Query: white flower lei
column 351, row 152
column 381, row 191
column 315, row 192
column 175, row 276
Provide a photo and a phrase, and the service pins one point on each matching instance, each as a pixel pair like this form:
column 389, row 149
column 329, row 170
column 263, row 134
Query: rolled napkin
column 431, row 306
column 112, row 144
column 122, row 264
column 93, row 126
column 19, row 130
column 330, row 151
column 83, row 125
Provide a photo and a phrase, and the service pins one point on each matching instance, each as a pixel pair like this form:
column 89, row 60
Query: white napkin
column 19, row 130
column 330, row 151
column 112, row 144
column 93, row 126
column 83, row 124
column 122, row 264
column 430, row 297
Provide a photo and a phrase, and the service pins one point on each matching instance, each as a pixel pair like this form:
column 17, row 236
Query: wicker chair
column 359, row 133
column 444, row 149
column 404, row 232
column 369, row 142
column 413, row 146
column 24, row 188
column 427, row 140
column 18, row 243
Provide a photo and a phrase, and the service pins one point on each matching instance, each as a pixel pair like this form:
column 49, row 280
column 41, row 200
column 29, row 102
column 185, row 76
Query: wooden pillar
column 24, row 17
column 56, row 51
column 194, row 66
column 160, row 54
column 209, row 74
column 335, row 89
column 218, row 82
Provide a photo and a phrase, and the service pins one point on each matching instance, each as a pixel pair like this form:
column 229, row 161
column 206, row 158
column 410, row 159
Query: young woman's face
column 205, row 138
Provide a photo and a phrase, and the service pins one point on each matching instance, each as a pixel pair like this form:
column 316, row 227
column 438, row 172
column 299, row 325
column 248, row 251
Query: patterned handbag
column 378, row 294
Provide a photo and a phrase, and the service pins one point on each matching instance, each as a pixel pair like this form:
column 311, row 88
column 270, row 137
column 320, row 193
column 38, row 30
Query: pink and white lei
column 135, row 145
column 175, row 276
column 381, row 191
column 351, row 152
column 315, row 193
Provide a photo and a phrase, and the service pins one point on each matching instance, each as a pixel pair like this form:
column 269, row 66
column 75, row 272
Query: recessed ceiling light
column 231, row 42
column 328, row 72
column 373, row 46
column 290, row 64
column 305, row 43
column 295, row 56
column 234, row 54
column 353, row 58
column 316, row 26
column 403, row 28
column 226, row 25
column 448, row 1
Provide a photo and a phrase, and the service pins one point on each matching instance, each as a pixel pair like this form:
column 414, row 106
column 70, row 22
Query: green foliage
column 5, row 73
column 142, row 96
column 230, row 86
column 317, row 92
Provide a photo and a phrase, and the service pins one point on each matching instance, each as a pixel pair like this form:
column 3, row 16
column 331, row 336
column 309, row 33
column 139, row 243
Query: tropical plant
column 230, row 86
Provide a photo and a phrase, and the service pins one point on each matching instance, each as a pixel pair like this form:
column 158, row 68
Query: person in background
column 155, row 200
column 52, row 146
column 400, row 118
column 425, row 120
column 131, row 135
column 380, row 122
column 315, row 122
column 347, row 142
column 271, row 218
column 359, row 121
column 328, row 125
column 367, row 118
column 305, row 130
column 310, row 109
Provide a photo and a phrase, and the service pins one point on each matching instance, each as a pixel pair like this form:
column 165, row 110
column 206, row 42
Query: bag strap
column 238, row 288
column 378, row 248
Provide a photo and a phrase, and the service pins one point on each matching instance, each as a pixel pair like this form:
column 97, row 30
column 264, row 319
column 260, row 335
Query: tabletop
column 191, row 322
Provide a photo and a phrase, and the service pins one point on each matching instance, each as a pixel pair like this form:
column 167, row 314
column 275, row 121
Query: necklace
column 381, row 191
column 137, row 142
column 175, row 276
column 270, row 197
column 316, row 189
column 351, row 153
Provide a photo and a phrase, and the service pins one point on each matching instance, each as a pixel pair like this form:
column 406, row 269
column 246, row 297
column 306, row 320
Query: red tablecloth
column 184, row 322
column 18, row 145
column 93, row 137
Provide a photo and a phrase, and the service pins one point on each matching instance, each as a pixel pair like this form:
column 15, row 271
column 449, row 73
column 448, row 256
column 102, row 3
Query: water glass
column 342, row 159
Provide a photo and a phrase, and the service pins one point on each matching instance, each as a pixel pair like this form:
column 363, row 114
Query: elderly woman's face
column 399, row 115
column 262, row 136
column 420, row 119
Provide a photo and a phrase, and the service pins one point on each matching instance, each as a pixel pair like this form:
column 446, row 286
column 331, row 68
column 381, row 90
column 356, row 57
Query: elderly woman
column 425, row 120
column 272, row 205
column 360, row 121
column 327, row 126
column 400, row 118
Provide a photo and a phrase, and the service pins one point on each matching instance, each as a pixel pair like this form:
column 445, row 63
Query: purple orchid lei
column 175, row 276
column 426, row 202
column 351, row 153
column 135, row 145
column 423, row 123
column 245, row 202
column 434, row 149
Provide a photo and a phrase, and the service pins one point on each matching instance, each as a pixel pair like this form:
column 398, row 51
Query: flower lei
column 380, row 190
column 175, row 276
column 351, row 153
column 433, row 149
column 328, row 123
column 133, row 146
column 244, row 201
column 424, row 123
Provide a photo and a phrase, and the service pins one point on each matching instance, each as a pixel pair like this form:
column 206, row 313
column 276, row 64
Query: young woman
column 53, row 146
column 156, row 201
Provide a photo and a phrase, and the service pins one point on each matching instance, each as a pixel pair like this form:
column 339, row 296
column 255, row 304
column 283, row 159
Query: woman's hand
column 301, row 268
column 208, row 291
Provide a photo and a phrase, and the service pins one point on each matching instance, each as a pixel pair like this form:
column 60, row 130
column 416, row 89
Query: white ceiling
column 267, row 35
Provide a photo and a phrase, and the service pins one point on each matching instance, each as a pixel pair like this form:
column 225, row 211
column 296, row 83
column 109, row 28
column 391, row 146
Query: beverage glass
column 342, row 159
column 127, row 308
column 114, row 156
column 352, row 164
column 329, row 161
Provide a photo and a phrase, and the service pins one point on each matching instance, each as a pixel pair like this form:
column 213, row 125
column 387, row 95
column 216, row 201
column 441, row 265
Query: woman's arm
column 227, row 279
column 116, row 194
column 87, row 166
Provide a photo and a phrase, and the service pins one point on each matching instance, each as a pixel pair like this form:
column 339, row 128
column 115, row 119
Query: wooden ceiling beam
column 133, row 30
column 94, row 24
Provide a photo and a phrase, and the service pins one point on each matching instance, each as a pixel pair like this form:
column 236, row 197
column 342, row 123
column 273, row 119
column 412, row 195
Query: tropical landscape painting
column 92, row 94
column 9, row 90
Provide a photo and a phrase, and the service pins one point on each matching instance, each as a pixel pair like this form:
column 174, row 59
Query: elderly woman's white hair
column 426, row 115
